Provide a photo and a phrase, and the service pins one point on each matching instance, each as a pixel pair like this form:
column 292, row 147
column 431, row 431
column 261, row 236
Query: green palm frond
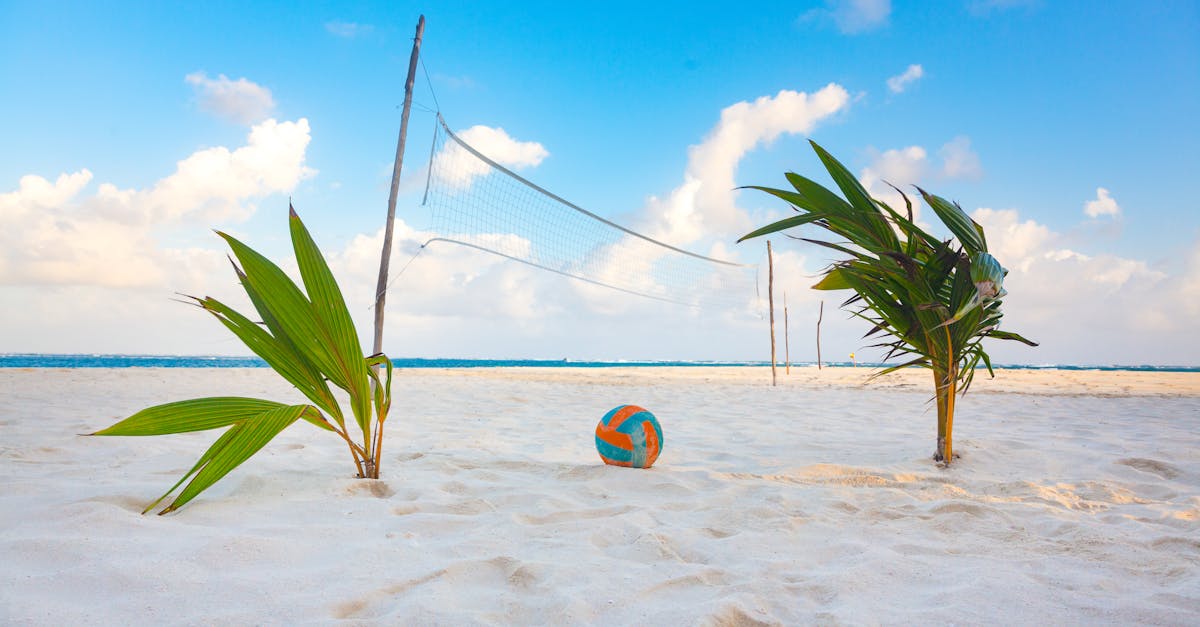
column 333, row 317
column 936, row 299
column 308, row 337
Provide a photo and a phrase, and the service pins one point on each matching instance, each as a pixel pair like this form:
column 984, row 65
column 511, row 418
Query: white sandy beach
column 1076, row 501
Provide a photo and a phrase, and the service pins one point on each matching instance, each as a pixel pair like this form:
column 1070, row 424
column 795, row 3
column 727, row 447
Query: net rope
column 478, row 203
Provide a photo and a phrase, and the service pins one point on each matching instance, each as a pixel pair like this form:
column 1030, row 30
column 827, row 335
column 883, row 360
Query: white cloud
column 701, row 212
column 456, row 301
column 34, row 192
column 53, row 233
column 1018, row 243
column 1104, row 205
column 897, row 84
column 906, row 167
column 704, row 204
column 1090, row 308
column 240, row 101
column 459, row 167
column 902, row 167
column 64, row 248
column 959, row 161
column 94, row 267
column 853, row 16
column 214, row 184
column 447, row 279
column 349, row 30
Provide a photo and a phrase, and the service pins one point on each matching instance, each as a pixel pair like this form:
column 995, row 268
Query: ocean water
column 35, row 360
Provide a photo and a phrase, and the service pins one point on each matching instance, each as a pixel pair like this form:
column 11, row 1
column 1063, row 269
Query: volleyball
column 629, row 436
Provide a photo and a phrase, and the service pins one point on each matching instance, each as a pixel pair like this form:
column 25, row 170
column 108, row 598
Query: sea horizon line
column 141, row 360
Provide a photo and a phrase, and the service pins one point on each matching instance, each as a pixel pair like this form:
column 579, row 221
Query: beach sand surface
column 1076, row 500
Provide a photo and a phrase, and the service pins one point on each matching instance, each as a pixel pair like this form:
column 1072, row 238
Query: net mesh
column 479, row 203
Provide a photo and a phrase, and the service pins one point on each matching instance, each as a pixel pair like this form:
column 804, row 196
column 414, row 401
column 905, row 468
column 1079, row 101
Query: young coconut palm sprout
column 308, row 338
column 936, row 300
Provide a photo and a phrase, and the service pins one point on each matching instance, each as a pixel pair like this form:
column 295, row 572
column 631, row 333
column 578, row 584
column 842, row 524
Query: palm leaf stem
column 383, row 404
column 356, row 451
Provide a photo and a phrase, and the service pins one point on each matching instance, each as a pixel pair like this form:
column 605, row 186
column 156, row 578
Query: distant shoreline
column 47, row 360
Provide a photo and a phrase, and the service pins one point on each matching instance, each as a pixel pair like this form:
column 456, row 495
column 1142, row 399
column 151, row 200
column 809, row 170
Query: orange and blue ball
column 629, row 436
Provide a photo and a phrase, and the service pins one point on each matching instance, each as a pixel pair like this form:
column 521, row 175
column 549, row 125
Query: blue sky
column 1025, row 110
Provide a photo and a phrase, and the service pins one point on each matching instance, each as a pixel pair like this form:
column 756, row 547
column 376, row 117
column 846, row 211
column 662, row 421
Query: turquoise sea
column 33, row 360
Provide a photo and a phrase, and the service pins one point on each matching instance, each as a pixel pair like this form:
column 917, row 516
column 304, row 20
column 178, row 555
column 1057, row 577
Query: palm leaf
column 987, row 361
column 280, row 356
column 204, row 459
column 835, row 279
column 198, row 414
column 1006, row 335
column 968, row 232
column 786, row 223
column 821, row 198
column 383, row 391
column 915, row 362
column 869, row 216
column 838, row 247
column 296, row 368
column 330, row 308
column 285, row 302
column 244, row 439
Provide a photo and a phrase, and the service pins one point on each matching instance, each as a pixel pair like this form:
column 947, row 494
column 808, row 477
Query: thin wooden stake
column 771, row 305
column 820, row 314
column 386, row 255
column 787, row 352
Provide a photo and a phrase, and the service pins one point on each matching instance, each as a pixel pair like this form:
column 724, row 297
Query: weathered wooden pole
column 787, row 352
column 771, row 305
column 386, row 255
column 820, row 314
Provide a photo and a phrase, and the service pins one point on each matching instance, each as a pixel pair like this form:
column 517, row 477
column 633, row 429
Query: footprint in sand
column 704, row 579
column 734, row 615
column 374, row 487
column 374, row 604
column 498, row 572
column 571, row 516
column 961, row 508
column 1154, row 467
column 1177, row 544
